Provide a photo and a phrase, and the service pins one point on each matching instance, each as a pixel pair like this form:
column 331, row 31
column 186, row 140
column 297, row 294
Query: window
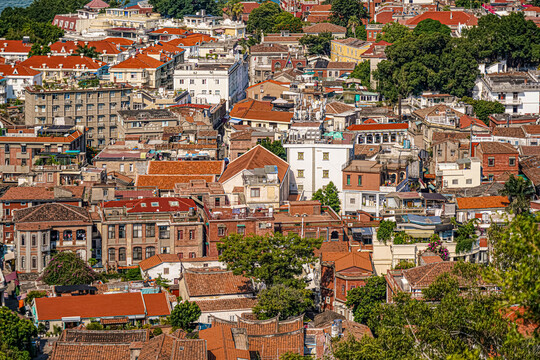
column 49, row 177
column 112, row 254
column 454, row 181
column 491, row 177
column 7, row 212
column 241, row 229
column 359, row 180
column 122, row 167
column 192, row 255
column 34, row 240
column 165, row 271
column 352, row 201
column 6, row 148
column 468, row 181
column 34, row 262
column 300, row 173
column 325, row 156
column 44, row 239
column 300, row 156
column 137, row 253
column 23, row 240
column 221, row 231
column 164, row 232
column 191, row 234
column 491, row 161
column 255, row 192
column 180, row 234
column 23, row 262
column 217, row 81
column 122, row 254
column 130, row 167
column 111, row 232
column 122, row 231
column 343, row 289
column 191, row 81
column 512, row 161
column 150, row 251
column 150, row 230
column 348, row 179
column 23, row 149
column 325, row 174
column 300, row 187
column 137, row 230
column 165, row 250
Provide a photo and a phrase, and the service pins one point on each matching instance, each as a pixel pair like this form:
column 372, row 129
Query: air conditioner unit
column 350, row 224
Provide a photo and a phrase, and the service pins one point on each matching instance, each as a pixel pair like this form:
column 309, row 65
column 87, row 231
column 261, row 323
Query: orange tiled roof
column 214, row 283
column 482, row 202
column 62, row 62
column 192, row 40
column 157, row 259
column 259, row 110
column 324, row 27
column 170, row 31
column 269, row 81
column 14, row 46
column 119, row 41
column 203, row 167
column 41, row 193
column 465, row 121
column 167, row 182
column 17, row 70
column 257, row 157
column 86, row 351
column 139, row 61
column 244, row 303
column 156, row 304
column 450, row 18
column 69, row 47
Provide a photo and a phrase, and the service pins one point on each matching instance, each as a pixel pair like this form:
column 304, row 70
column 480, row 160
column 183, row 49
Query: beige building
column 94, row 108
column 148, row 124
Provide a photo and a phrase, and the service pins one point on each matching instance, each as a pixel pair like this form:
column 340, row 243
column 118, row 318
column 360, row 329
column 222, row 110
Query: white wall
column 174, row 271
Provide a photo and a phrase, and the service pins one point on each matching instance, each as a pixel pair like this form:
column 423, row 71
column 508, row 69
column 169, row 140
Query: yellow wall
column 346, row 53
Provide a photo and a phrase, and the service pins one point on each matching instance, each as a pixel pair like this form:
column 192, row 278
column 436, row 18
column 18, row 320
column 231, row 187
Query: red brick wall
column 370, row 181
column 251, row 226
column 501, row 164
column 309, row 208
column 342, row 286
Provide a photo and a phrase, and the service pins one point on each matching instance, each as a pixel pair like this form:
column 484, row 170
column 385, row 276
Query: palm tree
column 237, row 11
column 87, row 51
column 354, row 21
column 519, row 192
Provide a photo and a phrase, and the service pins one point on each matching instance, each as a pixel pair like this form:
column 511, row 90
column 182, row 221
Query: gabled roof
column 436, row 111
column 158, row 259
column 354, row 260
column 70, row 47
column 482, row 202
column 192, row 40
column 100, row 306
column 202, row 167
column 423, row 276
column 324, row 27
column 170, row 31
column 153, row 204
column 86, row 351
column 52, row 212
column 531, row 129
column 450, row 18
column 139, row 61
column 167, row 347
column 216, row 283
column 257, row 157
column 62, row 62
column 42, row 193
column 465, row 121
column 17, row 70
column 167, row 182
column 271, row 82
column 512, row 132
column 336, row 107
column 494, row 147
column 14, row 46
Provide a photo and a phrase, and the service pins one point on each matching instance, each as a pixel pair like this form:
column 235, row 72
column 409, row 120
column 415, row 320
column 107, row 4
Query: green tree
column 181, row 8
column 469, row 4
column 483, row 108
column 443, row 285
column 270, row 259
column 293, row 356
column 132, row 274
column 465, row 235
column 34, row 294
column 516, row 263
column 283, row 301
column 343, row 10
column 328, row 196
column 94, row 325
column 234, row 9
column 519, row 192
column 87, row 51
column 362, row 71
column 276, row 147
column 66, row 268
column 317, row 44
column 393, row 32
column 364, row 300
column 184, row 315
column 15, row 335
column 118, row 3
column 386, row 230
column 428, row 26
column 38, row 49
column 263, row 18
column 287, row 21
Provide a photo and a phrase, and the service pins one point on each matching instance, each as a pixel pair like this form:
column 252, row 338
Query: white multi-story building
column 519, row 92
column 210, row 82
column 17, row 78
column 315, row 163
column 464, row 173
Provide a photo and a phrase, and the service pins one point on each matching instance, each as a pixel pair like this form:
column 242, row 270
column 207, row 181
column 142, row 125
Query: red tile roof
column 257, row 157
column 482, row 202
column 216, row 283
column 374, row 127
column 259, row 110
column 450, row 18
column 167, row 182
column 170, row 31
column 139, row 61
column 62, row 62
column 42, row 193
column 202, row 167
column 269, row 81
column 532, row 129
column 14, row 46
column 97, row 306
column 119, row 41
column 423, row 276
column 324, row 27
column 192, row 40
column 86, row 351
column 165, row 204
column 354, row 260
column 465, row 121
column 41, row 139
column 244, row 303
column 157, row 259
column 157, row 304
column 70, row 47
column 493, row 147
column 17, row 70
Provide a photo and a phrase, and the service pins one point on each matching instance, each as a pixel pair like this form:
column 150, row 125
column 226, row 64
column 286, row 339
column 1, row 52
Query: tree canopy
column 393, row 32
column 328, row 196
column 317, row 44
column 270, row 259
column 429, row 26
column 283, row 301
column 276, row 147
column 263, row 18
column 483, row 108
column 519, row 192
column 343, row 10
column 465, row 235
column 15, row 335
column 362, row 71
column 66, row 268
column 364, row 300
column 385, row 230
column 287, row 21
column 181, row 8
column 184, row 315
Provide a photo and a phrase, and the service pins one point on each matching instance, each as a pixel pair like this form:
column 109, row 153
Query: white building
column 463, row 173
column 210, row 82
column 519, row 92
column 18, row 77
column 315, row 163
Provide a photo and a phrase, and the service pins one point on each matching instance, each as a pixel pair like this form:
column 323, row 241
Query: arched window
column 150, row 251
column 137, row 253
column 112, row 254
column 23, row 262
column 34, row 262
column 334, row 235
column 23, row 240
column 122, row 254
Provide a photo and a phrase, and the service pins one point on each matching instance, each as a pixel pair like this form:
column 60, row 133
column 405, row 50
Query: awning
column 71, row 319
